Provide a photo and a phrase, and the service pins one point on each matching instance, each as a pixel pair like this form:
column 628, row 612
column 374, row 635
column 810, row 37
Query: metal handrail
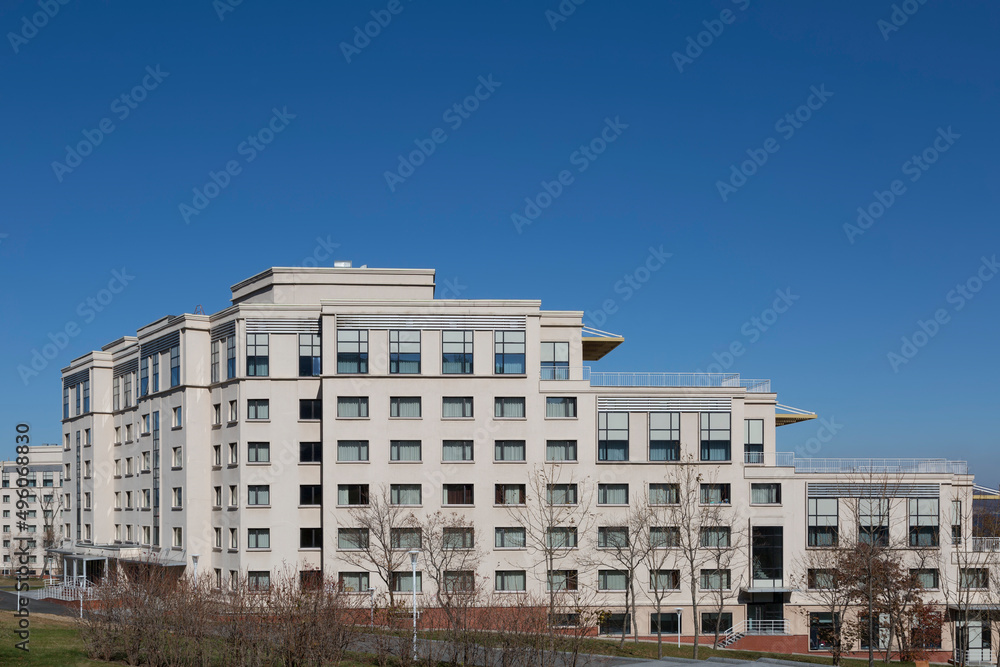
column 860, row 465
column 644, row 379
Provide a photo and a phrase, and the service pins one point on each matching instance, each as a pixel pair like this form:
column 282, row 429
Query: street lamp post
column 371, row 594
column 413, row 583
column 679, row 610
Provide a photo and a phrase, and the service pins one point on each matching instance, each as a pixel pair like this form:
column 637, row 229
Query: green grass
column 7, row 583
column 55, row 642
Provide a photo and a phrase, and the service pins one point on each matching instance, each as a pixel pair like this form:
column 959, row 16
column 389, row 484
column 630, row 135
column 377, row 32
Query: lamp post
column 679, row 610
column 371, row 594
column 413, row 583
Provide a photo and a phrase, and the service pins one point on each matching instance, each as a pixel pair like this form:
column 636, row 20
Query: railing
column 974, row 656
column 985, row 544
column 940, row 466
column 626, row 379
column 754, row 627
column 66, row 592
column 753, row 458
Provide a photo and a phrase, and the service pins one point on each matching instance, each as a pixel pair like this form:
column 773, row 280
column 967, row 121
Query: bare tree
column 723, row 544
column 376, row 537
column 826, row 577
column 51, row 506
column 554, row 515
column 661, row 541
column 690, row 515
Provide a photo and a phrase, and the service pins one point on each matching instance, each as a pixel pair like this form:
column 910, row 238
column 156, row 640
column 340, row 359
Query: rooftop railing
column 862, row 466
column 628, row 379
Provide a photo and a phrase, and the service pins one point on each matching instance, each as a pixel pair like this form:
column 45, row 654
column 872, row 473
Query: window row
column 873, row 517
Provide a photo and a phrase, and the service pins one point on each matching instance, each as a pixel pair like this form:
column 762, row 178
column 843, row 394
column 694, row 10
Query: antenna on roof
column 198, row 310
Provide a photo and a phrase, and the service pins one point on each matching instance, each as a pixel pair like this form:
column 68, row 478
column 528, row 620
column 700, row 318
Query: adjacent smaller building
column 40, row 522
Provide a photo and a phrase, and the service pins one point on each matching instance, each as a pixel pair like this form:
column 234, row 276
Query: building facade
column 36, row 524
column 251, row 440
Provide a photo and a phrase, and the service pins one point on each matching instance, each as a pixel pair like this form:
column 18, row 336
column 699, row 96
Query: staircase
column 752, row 627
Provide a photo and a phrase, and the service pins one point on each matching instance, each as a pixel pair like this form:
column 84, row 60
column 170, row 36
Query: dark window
column 753, row 441
column 175, row 365
column 509, row 494
column 310, row 452
column 823, row 630
column 310, row 408
column 612, row 436
column 310, row 538
column 458, row 494
column 823, row 521
column 352, row 494
column 767, row 544
column 924, row 520
column 310, row 494
column 715, row 494
column 716, row 436
column 258, row 452
column 352, row 351
column 404, row 352
column 555, row 361
column 664, row 623
column 143, row 376
column 712, row 620
column 664, row 436
column 230, row 357
column 615, row 624
column 258, row 408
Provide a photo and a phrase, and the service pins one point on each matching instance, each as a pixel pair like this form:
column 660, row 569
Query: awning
column 597, row 343
column 753, row 591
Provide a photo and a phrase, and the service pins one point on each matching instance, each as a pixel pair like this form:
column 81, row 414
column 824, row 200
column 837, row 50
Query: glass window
column 156, row 372
column 352, row 494
column 928, row 579
column 404, row 352
column 310, row 494
column 615, row 624
column 924, row 519
column 215, row 361
column 404, row 407
column 459, row 581
column 665, row 580
column 511, row 407
column 611, row 580
column 66, row 402
column 753, row 441
column 258, row 452
column 715, row 494
column 310, row 452
column 715, row 536
column 561, row 494
column 508, row 352
column 823, row 524
column 715, row 436
column 352, row 406
column 459, row 494
column 765, row 494
column 404, row 538
column 405, row 494
column 664, row 537
column 555, row 361
column 144, row 376
column 258, row 580
column 404, row 450
column 664, row 436
column 560, row 450
column 352, row 351
column 456, row 352
column 511, row 580
column 873, row 521
column 310, row 355
column 456, row 407
column 509, row 450
column 457, row 450
column 609, row 537
column 612, row 494
column 509, row 494
column 310, row 408
column 664, row 622
column 821, row 578
column 310, row 538
column 664, row 494
column 563, row 580
column 258, row 494
column 116, row 398
column 560, row 407
column 512, row 537
column 458, row 538
column 561, row 537
column 612, row 436
column 258, row 538
column 175, row 366
column 402, row 582
column 974, row 578
column 713, row 580
column 352, row 538
column 712, row 620
column 350, row 450
column 86, row 395
column 258, row 408
column 353, row 582
column 230, row 357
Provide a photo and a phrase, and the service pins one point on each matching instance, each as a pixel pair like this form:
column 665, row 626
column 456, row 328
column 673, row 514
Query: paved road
column 8, row 602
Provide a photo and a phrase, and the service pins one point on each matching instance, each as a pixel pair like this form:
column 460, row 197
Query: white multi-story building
column 37, row 523
column 240, row 443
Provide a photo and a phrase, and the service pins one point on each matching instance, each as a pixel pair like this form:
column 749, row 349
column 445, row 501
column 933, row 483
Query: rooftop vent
column 342, row 264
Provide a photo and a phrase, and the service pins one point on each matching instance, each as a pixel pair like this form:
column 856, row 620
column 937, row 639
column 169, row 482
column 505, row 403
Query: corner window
column 508, row 352
column 257, row 355
column 456, row 352
column 352, row 351
column 404, row 352
column 555, row 361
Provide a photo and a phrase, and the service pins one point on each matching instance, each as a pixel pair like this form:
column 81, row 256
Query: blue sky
column 738, row 137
